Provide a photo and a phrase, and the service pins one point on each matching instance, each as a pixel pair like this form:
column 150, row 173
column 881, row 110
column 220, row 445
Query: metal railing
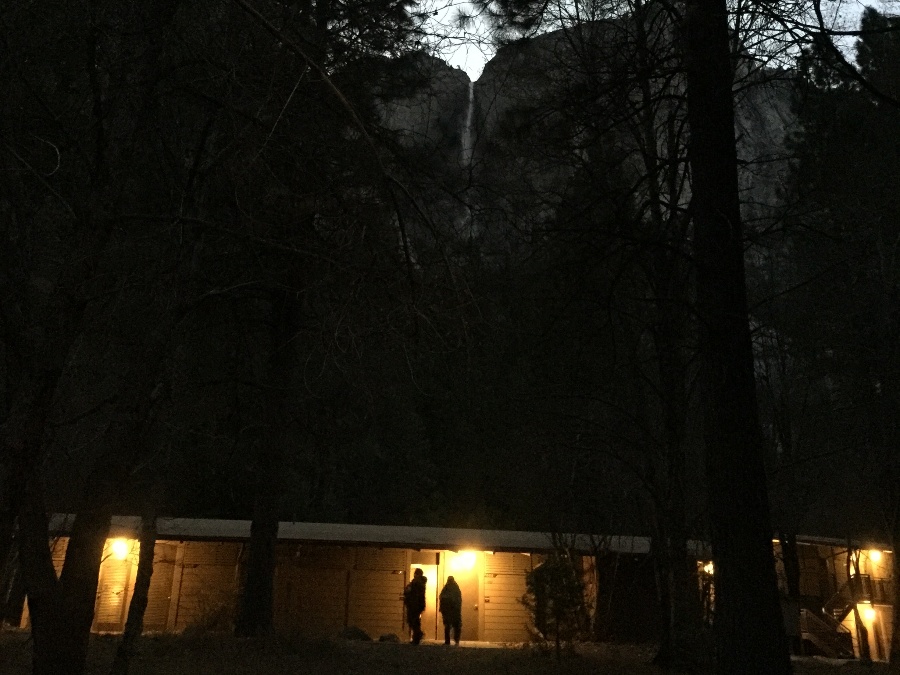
column 858, row 588
column 826, row 634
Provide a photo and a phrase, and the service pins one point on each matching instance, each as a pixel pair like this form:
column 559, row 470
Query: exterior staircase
column 824, row 630
column 826, row 634
column 857, row 589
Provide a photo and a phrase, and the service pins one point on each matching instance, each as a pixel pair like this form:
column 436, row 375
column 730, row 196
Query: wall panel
column 376, row 601
column 310, row 601
column 505, row 617
column 207, row 592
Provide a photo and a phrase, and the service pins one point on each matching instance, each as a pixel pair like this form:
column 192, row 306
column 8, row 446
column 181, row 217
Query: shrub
column 555, row 598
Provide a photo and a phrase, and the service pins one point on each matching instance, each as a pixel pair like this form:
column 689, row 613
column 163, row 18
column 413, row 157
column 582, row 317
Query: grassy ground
column 220, row 655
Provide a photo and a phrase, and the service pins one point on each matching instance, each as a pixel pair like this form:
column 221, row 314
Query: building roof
column 395, row 536
column 368, row 535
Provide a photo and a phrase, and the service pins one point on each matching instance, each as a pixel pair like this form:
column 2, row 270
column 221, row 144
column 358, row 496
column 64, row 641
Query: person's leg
column 414, row 622
column 457, row 629
column 417, row 629
column 446, row 633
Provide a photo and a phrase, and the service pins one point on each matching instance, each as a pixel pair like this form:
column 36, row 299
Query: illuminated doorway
column 464, row 567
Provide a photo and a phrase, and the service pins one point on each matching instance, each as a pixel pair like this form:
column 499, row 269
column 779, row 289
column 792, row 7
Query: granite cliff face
column 423, row 105
column 429, row 111
column 548, row 103
column 764, row 122
column 506, row 152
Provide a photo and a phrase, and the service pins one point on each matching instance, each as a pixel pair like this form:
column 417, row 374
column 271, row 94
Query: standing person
column 451, row 610
column 414, row 599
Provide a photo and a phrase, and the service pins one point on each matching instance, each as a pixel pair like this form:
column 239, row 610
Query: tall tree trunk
column 134, row 624
column 748, row 626
column 791, row 561
column 81, row 572
column 257, row 602
column 852, row 568
column 681, row 643
column 58, row 644
column 660, row 141
column 256, row 613
column 862, row 633
column 62, row 610
column 55, row 647
column 10, row 490
column 895, row 575
column 14, row 598
column 84, row 553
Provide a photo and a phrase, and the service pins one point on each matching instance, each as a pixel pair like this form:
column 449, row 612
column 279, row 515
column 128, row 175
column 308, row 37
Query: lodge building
column 333, row 576
column 328, row 576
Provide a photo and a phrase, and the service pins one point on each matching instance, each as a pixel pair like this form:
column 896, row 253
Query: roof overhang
column 386, row 536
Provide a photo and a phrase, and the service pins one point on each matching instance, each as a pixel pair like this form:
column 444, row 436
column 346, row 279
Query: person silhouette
column 414, row 599
column 450, row 607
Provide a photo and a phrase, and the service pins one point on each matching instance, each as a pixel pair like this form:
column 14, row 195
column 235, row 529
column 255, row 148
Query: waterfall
column 465, row 225
column 468, row 137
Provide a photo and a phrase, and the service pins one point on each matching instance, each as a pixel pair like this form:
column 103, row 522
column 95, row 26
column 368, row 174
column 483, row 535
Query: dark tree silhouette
column 750, row 636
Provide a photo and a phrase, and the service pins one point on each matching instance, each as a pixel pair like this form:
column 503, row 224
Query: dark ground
column 222, row 655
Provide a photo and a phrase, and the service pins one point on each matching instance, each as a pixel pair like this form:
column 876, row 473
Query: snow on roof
column 369, row 535
column 439, row 538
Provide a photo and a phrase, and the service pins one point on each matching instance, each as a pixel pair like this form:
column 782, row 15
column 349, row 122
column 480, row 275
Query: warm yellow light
column 463, row 561
column 869, row 613
column 708, row 568
column 875, row 556
column 119, row 548
column 116, row 595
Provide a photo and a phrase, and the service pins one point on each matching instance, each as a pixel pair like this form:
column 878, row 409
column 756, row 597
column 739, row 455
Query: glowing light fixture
column 119, row 548
column 875, row 555
column 463, row 561
column 708, row 568
column 869, row 613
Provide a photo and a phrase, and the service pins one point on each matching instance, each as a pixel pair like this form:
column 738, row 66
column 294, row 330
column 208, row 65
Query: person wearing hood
column 450, row 607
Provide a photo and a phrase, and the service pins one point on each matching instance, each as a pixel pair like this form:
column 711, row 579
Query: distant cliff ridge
column 504, row 150
column 432, row 110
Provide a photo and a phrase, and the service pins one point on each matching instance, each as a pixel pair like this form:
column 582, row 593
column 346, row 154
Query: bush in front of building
column 555, row 598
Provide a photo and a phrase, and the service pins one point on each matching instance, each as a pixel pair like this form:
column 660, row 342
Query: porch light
column 869, row 613
column 119, row 548
column 875, row 555
column 463, row 561
column 708, row 568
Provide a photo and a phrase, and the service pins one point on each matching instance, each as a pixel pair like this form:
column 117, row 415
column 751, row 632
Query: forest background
column 230, row 289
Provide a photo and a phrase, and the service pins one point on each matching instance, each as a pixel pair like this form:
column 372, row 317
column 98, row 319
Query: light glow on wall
column 875, row 555
column 119, row 548
column 869, row 613
column 460, row 562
